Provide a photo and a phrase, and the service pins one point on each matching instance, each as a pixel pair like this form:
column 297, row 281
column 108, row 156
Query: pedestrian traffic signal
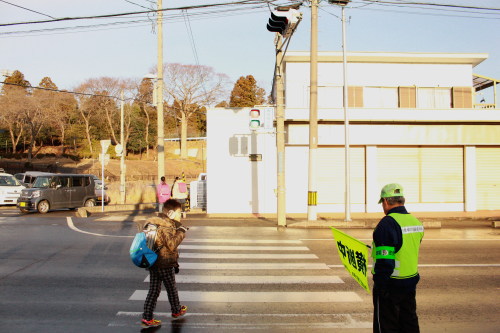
column 255, row 119
column 284, row 21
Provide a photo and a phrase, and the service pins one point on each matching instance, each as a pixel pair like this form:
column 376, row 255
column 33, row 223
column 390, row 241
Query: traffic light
column 255, row 119
column 284, row 21
column 339, row 2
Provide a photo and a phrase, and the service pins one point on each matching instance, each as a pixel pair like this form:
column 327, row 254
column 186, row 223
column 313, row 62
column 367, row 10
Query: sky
column 233, row 40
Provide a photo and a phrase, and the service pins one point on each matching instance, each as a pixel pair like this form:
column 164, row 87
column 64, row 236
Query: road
column 60, row 273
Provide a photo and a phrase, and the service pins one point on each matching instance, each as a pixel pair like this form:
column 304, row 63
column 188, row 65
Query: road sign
column 105, row 145
column 118, row 150
column 106, row 158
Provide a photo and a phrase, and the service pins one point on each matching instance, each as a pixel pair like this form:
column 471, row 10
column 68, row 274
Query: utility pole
column 280, row 133
column 122, row 157
column 159, row 96
column 312, row 193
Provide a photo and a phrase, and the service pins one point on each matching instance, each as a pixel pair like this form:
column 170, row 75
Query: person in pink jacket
column 162, row 193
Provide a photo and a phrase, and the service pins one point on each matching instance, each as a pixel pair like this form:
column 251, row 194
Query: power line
column 30, row 10
column 430, row 4
column 241, row 2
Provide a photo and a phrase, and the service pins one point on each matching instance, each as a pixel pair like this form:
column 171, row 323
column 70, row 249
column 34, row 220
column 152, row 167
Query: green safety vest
column 406, row 259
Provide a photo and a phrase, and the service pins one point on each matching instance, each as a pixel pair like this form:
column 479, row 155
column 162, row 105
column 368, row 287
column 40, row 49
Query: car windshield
column 8, row 181
column 42, row 182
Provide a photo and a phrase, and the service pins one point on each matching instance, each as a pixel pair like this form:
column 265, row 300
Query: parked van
column 55, row 191
column 10, row 189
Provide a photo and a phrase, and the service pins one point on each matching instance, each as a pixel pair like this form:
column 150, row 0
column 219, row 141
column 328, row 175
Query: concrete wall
column 235, row 184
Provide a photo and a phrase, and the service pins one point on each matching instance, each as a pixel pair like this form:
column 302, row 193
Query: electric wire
column 30, row 10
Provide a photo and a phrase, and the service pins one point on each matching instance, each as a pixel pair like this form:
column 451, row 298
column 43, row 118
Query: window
column 407, row 97
column 77, row 181
column 462, row 97
column 434, row 98
column 377, row 97
column 355, row 98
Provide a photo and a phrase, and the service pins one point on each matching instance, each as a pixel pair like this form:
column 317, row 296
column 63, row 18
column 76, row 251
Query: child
column 169, row 235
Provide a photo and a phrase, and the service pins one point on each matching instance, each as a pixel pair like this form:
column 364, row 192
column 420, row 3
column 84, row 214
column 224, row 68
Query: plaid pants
column 156, row 277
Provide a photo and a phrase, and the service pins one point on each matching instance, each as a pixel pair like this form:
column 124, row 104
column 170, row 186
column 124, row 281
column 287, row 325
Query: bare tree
column 11, row 116
column 144, row 98
column 190, row 87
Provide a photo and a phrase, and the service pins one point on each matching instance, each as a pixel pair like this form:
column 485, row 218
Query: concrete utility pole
column 346, row 127
column 280, row 132
column 159, row 96
column 312, row 193
column 122, row 157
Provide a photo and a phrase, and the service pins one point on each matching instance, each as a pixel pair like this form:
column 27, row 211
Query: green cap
column 391, row 190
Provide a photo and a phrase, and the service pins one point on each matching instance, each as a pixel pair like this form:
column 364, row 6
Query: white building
column 413, row 120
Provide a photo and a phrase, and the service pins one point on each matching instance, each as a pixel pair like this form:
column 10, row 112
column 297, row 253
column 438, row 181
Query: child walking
column 169, row 236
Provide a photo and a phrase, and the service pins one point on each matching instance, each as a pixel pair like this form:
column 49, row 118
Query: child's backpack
column 142, row 250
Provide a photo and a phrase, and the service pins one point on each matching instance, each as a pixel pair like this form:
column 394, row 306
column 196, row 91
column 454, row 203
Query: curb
column 353, row 224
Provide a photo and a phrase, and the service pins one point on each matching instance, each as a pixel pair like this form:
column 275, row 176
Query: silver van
column 55, row 191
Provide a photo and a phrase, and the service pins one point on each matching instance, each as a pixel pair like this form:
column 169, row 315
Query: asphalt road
column 60, row 273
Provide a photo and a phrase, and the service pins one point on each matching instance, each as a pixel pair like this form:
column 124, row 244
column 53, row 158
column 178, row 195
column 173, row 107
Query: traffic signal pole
column 312, row 193
column 280, row 133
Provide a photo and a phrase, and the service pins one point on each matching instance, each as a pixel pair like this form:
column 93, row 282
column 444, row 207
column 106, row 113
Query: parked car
column 28, row 178
column 55, row 191
column 100, row 192
column 10, row 189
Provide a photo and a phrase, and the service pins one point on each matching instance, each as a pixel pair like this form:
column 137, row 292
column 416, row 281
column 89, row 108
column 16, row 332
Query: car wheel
column 23, row 210
column 43, row 206
column 90, row 203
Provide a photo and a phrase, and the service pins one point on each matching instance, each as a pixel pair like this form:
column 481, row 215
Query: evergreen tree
column 246, row 93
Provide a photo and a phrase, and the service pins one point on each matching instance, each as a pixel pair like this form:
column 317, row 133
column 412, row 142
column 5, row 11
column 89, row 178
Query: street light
column 343, row 3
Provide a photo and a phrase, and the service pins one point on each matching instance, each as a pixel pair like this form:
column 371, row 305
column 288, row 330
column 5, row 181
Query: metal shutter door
column 441, row 175
column 400, row 165
column 488, row 178
column 331, row 175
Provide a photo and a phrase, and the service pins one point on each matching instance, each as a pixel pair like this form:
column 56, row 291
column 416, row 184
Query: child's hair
column 171, row 204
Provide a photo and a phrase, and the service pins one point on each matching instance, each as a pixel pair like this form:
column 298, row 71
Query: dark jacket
column 388, row 233
column 168, row 238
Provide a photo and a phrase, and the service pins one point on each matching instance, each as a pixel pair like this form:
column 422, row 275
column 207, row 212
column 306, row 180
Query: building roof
column 473, row 59
column 481, row 82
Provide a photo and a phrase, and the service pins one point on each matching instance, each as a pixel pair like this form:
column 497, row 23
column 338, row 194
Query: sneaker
column 150, row 323
column 181, row 313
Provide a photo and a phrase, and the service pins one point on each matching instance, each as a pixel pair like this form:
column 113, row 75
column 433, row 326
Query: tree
column 246, row 93
column 144, row 99
column 15, row 94
column 191, row 87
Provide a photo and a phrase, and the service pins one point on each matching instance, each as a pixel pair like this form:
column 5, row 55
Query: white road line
column 248, row 255
column 241, row 241
column 227, row 279
column 254, row 320
column 243, row 247
column 72, row 227
column 251, row 266
column 255, row 297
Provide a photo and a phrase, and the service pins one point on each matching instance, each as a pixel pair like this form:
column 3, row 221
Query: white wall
column 234, row 183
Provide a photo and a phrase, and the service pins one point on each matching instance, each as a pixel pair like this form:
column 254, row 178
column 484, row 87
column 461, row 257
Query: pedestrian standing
column 396, row 243
column 169, row 235
column 180, row 193
column 162, row 193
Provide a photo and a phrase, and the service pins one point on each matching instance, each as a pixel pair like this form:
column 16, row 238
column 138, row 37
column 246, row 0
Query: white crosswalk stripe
column 209, row 266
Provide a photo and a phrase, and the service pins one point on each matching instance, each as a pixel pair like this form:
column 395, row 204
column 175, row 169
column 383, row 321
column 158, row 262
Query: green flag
column 354, row 256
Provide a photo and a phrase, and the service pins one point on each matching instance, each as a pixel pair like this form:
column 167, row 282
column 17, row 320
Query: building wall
column 234, row 183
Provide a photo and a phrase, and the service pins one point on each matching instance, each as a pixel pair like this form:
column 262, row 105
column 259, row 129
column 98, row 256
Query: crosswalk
column 266, row 284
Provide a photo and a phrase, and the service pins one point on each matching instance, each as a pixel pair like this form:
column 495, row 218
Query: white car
column 10, row 189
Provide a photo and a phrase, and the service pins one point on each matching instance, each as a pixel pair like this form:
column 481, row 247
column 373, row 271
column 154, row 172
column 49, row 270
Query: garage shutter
column 428, row 175
column 442, row 175
column 400, row 165
column 488, row 178
column 331, row 175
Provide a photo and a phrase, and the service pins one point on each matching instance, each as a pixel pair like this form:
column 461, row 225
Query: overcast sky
column 231, row 39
